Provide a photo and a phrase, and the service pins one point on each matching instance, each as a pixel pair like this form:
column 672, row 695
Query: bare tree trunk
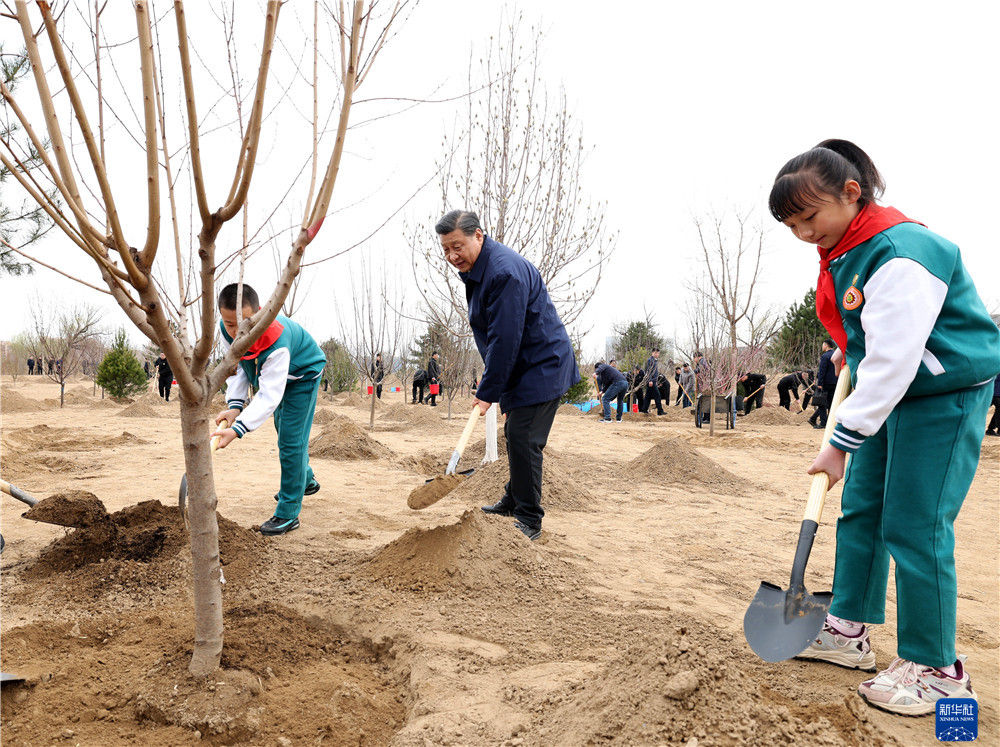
column 204, row 530
column 371, row 414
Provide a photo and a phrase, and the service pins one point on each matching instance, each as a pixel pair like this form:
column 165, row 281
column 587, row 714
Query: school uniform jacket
column 915, row 326
column 293, row 356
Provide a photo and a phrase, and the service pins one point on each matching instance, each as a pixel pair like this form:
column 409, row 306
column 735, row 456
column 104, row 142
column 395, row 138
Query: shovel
column 61, row 510
column 780, row 624
column 437, row 488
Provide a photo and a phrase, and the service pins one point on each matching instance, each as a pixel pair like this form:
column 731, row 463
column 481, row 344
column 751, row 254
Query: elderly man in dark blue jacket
column 528, row 355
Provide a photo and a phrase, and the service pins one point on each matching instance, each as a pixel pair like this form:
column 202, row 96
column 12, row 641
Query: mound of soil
column 568, row 409
column 141, row 408
column 323, row 416
column 424, row 463
column 673, row 461
column 667, row 691
column 11, row 401
column 473, row 554
column 285, row 679
column 48, row 438
column 474, row 453
column 560, row 487
column 138, row 545
column 341, row 439
column 419, row 415
column 774, row 416
column 353, row 399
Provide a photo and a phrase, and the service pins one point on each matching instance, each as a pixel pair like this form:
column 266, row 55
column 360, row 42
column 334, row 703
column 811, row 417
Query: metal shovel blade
column 781, row 624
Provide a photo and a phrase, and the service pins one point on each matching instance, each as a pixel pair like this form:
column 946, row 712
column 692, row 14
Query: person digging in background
column 923, row 352
column 650, row 376
column 283, row 366
column 750, row 387
column 788, row 389
column 528, row 355
column 611, row 385
column 826, row 383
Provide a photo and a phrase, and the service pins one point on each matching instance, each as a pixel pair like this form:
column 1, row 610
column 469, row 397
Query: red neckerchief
column 872, row 220
column 266, row 340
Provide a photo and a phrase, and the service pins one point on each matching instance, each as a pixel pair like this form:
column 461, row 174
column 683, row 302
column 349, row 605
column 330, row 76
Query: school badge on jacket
column 852, row 296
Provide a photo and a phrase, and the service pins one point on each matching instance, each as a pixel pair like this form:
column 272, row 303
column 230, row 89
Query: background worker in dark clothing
column 31, row 366
column 419, row 382
column 650, row 390
column 788, row 389
column 529, row 358
column 611, row 385
column 826, row 383
column 663, row 384
column 378, row 373
column 751, row 387
column 164, row 376
column 433, row 377
column 686, row 385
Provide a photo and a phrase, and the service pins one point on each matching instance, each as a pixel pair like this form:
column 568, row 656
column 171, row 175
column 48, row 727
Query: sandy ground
column 377, row 624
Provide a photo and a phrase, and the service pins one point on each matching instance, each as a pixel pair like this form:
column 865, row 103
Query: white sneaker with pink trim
column 912, row 689
column 832, row 646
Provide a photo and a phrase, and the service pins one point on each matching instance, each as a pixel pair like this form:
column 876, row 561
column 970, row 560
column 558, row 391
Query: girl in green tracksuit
column 922, row 352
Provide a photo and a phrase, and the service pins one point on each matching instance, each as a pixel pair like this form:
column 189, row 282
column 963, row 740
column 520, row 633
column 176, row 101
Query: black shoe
column 311, row 489
column 499, row 509
column 275, row 525
column 819, row 427
column 531, row 533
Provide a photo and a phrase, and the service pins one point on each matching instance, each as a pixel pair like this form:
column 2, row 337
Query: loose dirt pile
column 423, row 463
column 431, row 492
column 476, row 553
column 48, row 438
column 672, row 461
column 140, row 409
column 667, row 691
column 418, row 415
column 11, row 401
column 323, row 416
column 139, row 546
column 774, row 416
column 568, row 409
column 341, row 439
column 353, row 399
column 76, row 509
column 561, row 487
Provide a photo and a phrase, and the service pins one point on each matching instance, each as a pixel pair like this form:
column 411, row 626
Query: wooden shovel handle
column 15, row 492
column 821, row 481
column 467, row 431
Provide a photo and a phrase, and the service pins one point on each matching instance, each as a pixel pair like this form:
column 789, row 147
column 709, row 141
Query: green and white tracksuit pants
column 293, row 420
column 903, row 490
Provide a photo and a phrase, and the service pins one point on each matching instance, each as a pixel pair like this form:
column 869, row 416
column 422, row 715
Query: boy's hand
column 226, row 436
column 227, row 415
column 830, row 460
column 483, row 406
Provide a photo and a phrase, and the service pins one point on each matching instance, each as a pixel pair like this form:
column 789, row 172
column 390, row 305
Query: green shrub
column 120, row 373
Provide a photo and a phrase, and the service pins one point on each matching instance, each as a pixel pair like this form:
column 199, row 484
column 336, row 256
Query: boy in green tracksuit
column 283, row 366
column 922, row 351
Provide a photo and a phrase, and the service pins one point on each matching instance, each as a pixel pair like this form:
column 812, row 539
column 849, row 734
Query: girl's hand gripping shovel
column 780, row 624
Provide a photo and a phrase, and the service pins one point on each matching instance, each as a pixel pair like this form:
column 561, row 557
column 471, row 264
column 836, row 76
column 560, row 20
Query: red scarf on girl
column 266, row 340
column 873, row 219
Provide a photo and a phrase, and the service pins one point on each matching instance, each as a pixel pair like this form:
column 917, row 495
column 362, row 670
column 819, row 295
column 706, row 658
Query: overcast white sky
column 686, row 107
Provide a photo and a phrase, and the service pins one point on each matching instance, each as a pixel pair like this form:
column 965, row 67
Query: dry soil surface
column 377, row 624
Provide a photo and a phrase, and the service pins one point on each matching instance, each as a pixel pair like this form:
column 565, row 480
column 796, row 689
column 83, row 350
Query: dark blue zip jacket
column 826, row 376
column 528, row 355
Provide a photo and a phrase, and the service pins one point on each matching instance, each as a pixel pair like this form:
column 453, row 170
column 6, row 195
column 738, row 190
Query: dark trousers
column 785, row 397
column 378, row 391
column 614, row 392
column 822, row 403
column 527, row 430
column 756, row 400
column 995, row 420
column 414, row 397
column 164, row 385
column 649, row 393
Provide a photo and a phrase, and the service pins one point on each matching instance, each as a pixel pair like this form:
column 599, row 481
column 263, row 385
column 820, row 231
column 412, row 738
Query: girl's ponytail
column 872, row 184
column 824, row 170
